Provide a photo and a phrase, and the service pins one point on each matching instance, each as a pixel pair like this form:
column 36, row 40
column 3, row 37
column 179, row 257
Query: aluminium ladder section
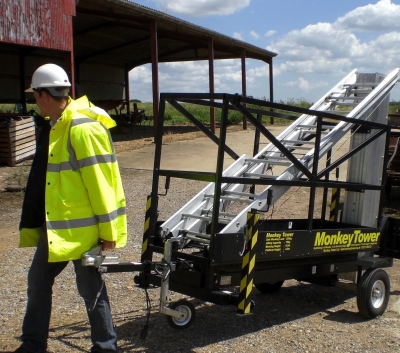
column 192, row 219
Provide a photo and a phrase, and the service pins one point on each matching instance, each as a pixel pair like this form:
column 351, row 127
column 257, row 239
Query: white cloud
column 335, row 48
column 259, row 71
column 316, row 49
column 141, row 77
column 315, row 55
column 237, row 35
column 381, row 16
column 254, row 34
column 184, row 76
column 382, row 53
column 141, row 73
column 305, row 85
column 270, row 33
column 192, row 76
column 202, row 8
column 228, row 75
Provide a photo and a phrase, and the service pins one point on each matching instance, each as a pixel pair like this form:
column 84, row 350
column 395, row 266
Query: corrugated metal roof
column 118, row 32
column 199, row 29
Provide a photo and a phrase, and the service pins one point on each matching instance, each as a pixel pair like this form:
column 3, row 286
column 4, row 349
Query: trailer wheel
column 269, row 288
column 373, row 293
column 188, row 314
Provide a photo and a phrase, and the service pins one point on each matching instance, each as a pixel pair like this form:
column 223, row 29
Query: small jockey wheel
column 188, row 314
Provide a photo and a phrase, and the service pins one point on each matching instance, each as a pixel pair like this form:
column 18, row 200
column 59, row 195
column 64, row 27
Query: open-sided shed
column 99, row 41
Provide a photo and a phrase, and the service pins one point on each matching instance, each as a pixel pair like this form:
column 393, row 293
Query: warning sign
column 278, row 241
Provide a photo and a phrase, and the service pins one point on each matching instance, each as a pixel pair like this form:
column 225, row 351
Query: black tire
column 188, row 314
column 269, row 288
column 373, row 293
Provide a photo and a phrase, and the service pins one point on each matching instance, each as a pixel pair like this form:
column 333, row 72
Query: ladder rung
column 302, row 142
column 267, row 161
column 205, row 218
column 315, row 126
column 361, row 84
column 229, row 198
column 361, row 91
column 313, row 132
column 236, row 199
column 275, row 158
column 344, row 98
column 239, row 193
column 199, row 240
column 223, row 214
column 297, row 147
column 345, row 104
column 264, row 176
column 227, row 214
column 344, row 112
column 197, row 234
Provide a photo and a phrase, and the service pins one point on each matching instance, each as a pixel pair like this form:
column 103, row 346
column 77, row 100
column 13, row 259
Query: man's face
column 41, row 102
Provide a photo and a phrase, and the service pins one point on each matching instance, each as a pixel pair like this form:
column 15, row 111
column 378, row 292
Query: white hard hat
column 53, row 78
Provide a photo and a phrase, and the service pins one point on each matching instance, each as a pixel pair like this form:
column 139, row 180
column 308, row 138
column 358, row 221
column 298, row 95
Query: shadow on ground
column 215, row 323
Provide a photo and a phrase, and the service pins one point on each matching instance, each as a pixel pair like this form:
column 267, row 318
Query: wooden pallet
column 17, row 139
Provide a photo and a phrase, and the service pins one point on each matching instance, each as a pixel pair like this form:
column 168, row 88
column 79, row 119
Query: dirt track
column 299, row 318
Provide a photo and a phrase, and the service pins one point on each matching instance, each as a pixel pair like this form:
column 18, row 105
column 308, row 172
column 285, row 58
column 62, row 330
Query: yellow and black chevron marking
column 334, row 204
column 248, row 263
column 146, row 234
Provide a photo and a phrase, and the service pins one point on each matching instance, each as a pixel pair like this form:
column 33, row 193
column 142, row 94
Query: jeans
column 41, row 277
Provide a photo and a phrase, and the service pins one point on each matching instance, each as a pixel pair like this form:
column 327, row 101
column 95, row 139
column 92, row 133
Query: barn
column 98, row 42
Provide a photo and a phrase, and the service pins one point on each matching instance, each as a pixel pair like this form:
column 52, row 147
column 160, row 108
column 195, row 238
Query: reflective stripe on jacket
column 84, row 197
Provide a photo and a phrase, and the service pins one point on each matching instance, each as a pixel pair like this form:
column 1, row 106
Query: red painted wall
column 39, row 23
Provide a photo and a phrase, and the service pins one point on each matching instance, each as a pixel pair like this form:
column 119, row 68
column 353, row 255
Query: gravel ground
column 299, row 318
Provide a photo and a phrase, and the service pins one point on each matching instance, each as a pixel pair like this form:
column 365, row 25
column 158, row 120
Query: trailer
column 225, row 240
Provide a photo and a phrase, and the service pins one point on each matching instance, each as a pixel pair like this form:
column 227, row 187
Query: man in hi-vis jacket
column 74, row 200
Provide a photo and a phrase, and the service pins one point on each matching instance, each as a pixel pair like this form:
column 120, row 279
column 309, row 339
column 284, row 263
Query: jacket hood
column 84, row 106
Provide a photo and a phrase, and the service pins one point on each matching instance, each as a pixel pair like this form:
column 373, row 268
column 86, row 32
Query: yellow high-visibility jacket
column 84, row 197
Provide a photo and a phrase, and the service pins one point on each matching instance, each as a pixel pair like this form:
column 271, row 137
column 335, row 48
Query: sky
column 318, row 43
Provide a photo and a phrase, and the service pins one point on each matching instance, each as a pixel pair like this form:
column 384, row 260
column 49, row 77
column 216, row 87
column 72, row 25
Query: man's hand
column 106, row 244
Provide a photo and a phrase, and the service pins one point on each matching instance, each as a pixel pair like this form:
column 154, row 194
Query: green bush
column 394, row 107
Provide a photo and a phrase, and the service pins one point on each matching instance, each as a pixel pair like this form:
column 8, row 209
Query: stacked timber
column 17, row 139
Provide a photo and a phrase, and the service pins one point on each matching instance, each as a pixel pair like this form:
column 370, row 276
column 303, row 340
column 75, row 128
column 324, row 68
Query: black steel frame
column 205, row 281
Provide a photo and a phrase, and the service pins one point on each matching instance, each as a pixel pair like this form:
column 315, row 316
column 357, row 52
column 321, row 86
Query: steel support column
column 22, row 87
column 244, row 93
column 127, row 92
column 211, row 80
column 154, row 69
column 71, row 63
column 271, row 85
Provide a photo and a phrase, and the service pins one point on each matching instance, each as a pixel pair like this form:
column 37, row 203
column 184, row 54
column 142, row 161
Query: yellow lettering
column 319, row 239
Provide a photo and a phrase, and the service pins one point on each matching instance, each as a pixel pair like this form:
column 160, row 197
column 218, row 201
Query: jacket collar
column 83, row 106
